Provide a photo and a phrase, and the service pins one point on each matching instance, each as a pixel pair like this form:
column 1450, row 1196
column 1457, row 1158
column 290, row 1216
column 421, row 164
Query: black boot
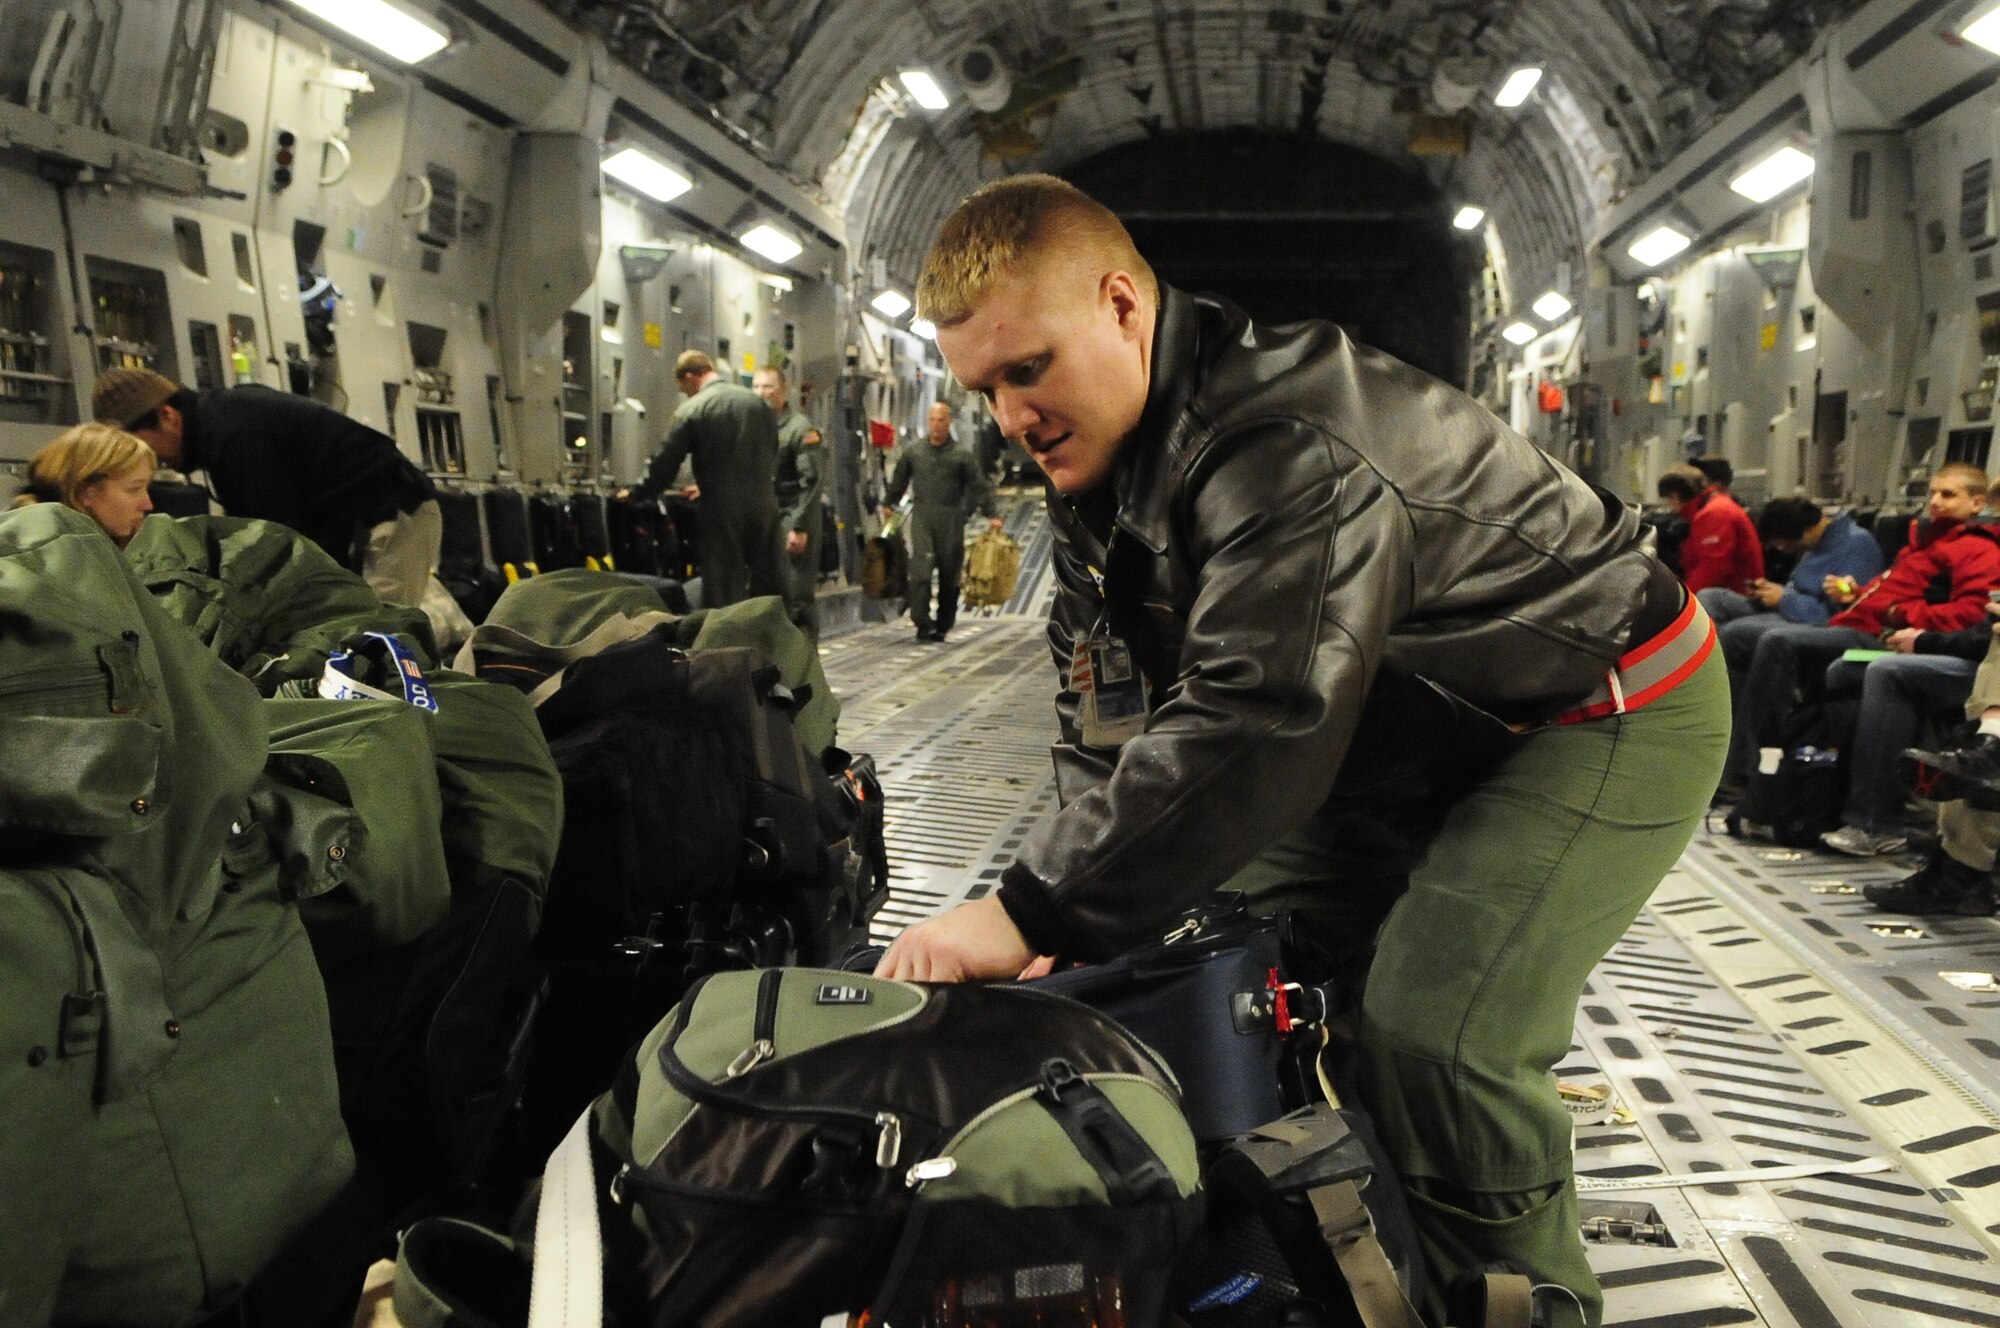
column 1971, row 772
column 1943, row 886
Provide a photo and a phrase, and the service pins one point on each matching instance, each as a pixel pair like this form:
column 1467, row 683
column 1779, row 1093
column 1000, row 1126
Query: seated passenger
column 1831, row 548
column 1721, row 548
column 1937, row 583
column 99, row 471
column 1958, row 878
column 1930, row 672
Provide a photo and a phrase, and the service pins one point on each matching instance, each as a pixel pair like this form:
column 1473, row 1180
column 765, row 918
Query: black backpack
column 1801, row 800
column 699, row 836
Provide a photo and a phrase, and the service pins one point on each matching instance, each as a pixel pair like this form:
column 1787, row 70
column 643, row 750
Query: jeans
column 1725, row 605
column 1897, row 694
column 1786, row 660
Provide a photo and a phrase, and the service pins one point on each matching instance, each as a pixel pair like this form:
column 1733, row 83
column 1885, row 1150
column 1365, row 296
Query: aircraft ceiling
column 810, row 85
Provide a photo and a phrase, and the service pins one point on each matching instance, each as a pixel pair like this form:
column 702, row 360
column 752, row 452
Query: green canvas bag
column 167, row 1092
column 541, row 625
column 268, row 601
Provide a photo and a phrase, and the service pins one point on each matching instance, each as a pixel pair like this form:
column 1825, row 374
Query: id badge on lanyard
column 1111, row 692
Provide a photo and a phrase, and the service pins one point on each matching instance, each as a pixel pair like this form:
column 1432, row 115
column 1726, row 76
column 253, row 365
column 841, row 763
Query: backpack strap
column 1510, row 1301
column 1350, row 1233
column 568, row 1289
column 454, row 1274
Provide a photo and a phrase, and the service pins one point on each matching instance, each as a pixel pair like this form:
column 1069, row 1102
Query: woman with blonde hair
column 101, row 471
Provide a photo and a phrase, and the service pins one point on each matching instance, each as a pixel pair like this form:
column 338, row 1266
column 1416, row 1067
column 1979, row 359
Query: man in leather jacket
column 1257, row 529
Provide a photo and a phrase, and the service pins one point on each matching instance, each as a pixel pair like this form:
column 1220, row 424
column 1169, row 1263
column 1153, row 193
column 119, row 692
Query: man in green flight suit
column 946, row 485
column 800, row 483
column 734, row 439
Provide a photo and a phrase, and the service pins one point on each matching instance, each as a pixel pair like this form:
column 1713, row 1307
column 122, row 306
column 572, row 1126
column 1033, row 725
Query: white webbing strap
column 568, row 1286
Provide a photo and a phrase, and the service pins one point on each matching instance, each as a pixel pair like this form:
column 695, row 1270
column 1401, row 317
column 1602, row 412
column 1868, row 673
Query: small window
column 246, row 271
column 1975, row 202
column 1860, row 184
column 187, row 241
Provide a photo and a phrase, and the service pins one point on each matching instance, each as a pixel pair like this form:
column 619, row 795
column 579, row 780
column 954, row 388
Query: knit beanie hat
column 124, row 395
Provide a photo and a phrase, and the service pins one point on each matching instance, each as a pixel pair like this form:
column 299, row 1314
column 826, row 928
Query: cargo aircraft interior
column 1640, row 234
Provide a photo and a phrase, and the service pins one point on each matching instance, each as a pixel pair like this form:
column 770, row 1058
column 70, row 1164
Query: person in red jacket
column 1721, row 548
column 1937, row 583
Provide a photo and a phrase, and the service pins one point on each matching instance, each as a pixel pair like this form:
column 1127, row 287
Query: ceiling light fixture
column 389, row 28
column 648, row 174
column 924, row 89
column 1519, row 333
column 1983, row 30
column 890, row 304
column 1773, row 175
column 1552, row 305
column 771, row 242
column 924, row 328
column 1469, row 217
column 1518, row 85
column 1658, row 245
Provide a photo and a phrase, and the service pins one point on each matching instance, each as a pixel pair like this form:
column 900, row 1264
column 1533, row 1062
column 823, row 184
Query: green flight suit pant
column 1471, row 1000
column 937, row 548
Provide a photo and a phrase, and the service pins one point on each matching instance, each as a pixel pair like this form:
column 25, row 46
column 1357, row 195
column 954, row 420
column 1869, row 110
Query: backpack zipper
column 763, row 1046
column 763, row 1028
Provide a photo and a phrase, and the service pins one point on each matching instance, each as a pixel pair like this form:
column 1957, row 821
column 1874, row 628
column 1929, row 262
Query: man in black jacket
column 1261, row 532
column 287, row 459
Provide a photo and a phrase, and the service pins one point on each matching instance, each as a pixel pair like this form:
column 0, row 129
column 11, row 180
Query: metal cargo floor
column 1759, row 1014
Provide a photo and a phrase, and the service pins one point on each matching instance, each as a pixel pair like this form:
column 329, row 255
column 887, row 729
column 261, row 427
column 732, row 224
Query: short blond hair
column 1974, row 476
column 80, row 457
column 1008, row 220
column 693, row 364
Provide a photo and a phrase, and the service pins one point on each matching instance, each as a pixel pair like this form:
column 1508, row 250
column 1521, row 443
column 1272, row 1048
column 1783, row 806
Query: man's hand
column 973, row 941
column 691, row 492
column 995, row 523
column 1838, row 590
column 795, row 542
column 1767, row 593
column 1904, row 642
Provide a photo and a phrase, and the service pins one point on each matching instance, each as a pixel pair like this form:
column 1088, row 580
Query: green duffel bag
column 267, row 601
column 797, row 1143
column 167, row 1093
column 357, row 786
column 545, row 623
column 502, row 797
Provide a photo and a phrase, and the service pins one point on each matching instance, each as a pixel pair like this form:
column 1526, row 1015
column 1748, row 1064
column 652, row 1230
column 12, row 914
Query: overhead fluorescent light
column 389, row 28
column 1658, row 245
column 648, row 174
column 1519, row 333
column 1984, row 31
column 771, row 242
column 924, row 89
column 924, row 328
column 1518, row 85
column 775, row 282
column 890, row 304
column 1469, row 217
column 1552, row 305
column 1773, row 175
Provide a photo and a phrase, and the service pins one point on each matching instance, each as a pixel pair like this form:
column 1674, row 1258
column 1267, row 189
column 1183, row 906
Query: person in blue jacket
column 1832, row 548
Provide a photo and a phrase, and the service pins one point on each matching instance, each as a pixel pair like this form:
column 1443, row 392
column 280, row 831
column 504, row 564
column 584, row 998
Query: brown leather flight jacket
column 1294, row 516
